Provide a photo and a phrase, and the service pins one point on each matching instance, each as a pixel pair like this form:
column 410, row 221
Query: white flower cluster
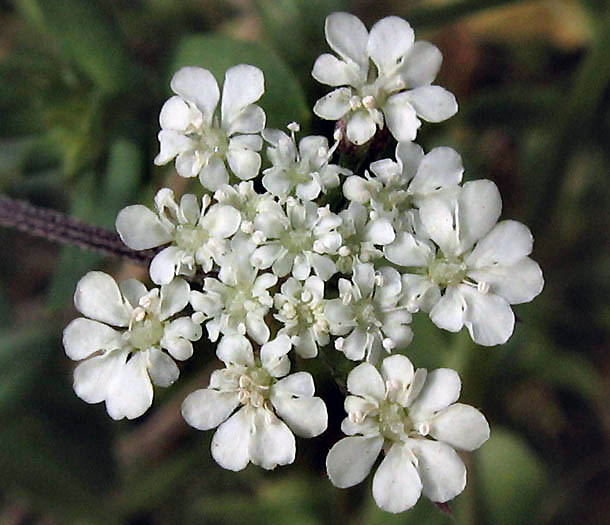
column 311, row 258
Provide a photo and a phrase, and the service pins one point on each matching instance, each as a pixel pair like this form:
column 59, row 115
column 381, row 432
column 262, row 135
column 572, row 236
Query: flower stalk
column 59, row 227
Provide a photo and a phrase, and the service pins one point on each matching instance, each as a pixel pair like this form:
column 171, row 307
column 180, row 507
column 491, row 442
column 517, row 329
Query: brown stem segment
column 59, row 227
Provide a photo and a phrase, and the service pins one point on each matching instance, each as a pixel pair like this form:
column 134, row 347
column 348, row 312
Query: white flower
column 297, row 241
column 400, row 185
column 386, row 75
column 255, row 433
column 360, row 234
column 300, row 307
column 244, row 198
column 483, row 267
column 368, row 310
column 413, row 416
column 304, row 171
column 201, row 141
column 238, row 301
column 119, row 365
column 197, row 236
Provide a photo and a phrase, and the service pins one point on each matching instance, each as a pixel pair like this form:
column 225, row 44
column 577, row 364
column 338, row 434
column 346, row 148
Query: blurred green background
column 81, row 85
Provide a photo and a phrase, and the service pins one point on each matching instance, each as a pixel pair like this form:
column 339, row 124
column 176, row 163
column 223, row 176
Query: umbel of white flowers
column 294, row 271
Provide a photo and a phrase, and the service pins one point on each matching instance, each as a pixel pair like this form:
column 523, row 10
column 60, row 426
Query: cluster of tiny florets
column 299, row 256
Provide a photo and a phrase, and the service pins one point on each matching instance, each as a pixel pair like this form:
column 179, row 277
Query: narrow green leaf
column 123, row 176
column 283, row 100
column 91, row 38
column 510, row 479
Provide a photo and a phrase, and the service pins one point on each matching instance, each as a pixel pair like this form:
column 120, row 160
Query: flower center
column 366, row 314
column 394, row 422
column 297, row 241
column 190, row 238
column 255, row 387
column 145, row 333
column 444, row 272
column 213, row 141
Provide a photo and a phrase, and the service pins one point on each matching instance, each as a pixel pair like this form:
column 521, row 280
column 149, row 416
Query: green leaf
column 123, row 177
column 510, row 478
column 91, row 38
column 24, row 355
column 283, row 100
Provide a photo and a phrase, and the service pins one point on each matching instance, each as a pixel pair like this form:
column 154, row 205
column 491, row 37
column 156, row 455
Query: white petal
column 441, row 470
column 421, row 65
column 250, row 120
column 175, row 115
column 172, row 143
column 334, row 105
column 277, row 182
column 396, row 485
column 350, row 460
column 364, row 279
column 323, row 266
column 163, row 266
column 174, row 298
column 272, row 442
column 507, row 243
column 401, row 118
column 189, row 209
column 480, row 206
column 199, row 86
column 306, row 416
column 360, row 127
column 245, row 163
column 230, row 444
column 205, row 408
column 98, row 297
column 178, row 348
column 440, row 168
column 419, row 293
column 161, row 368
column 257, row 328
column 439, row 218
column 221, row 221
column 93, row 377
column 441, row 389
column 130, row 393
column 273, row 354
column 188, row 162
column 448, row 313
column 214, row 174
column 460, row 426
column 132, row 290
column 243, row 85
column 488, row 317
column 355, row 345
column 299, row 384
column 83, row 337
column 235, row 350
column 308, row 191
column 397, row 369
column 389, row 40
column 517, row 283
column 264, row 256
column 408, row 250
column 410, row 156
column 432, row 103
column 356, row 189
column 329, row 70
column 365, row 380
column 347, row 36
column 379, row 231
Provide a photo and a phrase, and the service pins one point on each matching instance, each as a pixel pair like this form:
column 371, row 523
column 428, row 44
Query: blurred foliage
column 81, row 85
